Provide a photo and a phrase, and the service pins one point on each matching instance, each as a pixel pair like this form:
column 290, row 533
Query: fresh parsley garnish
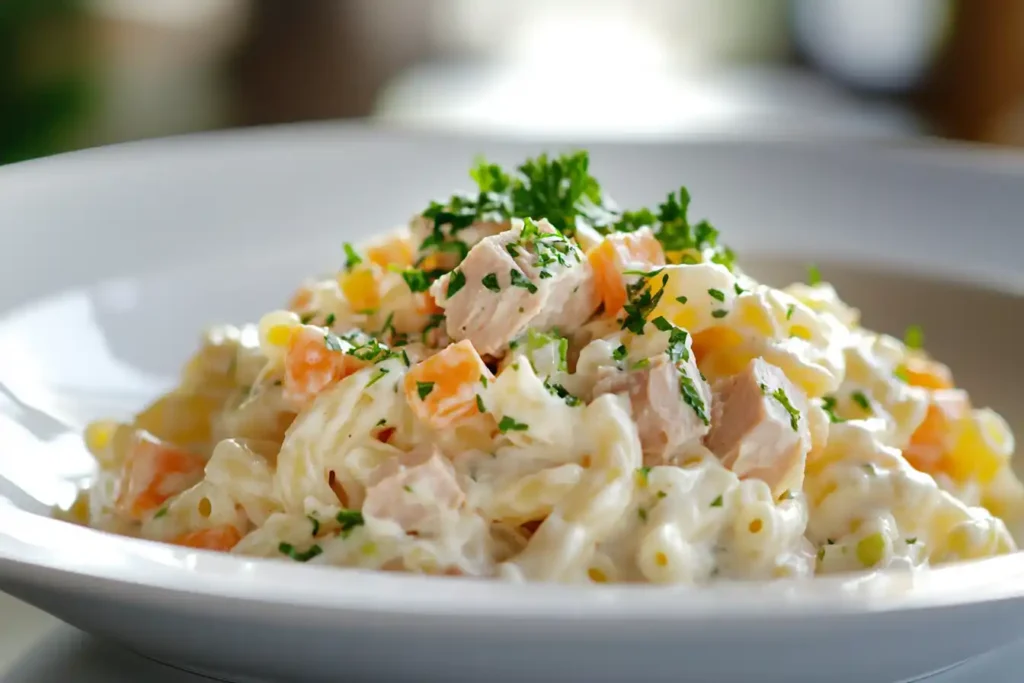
column 692, row 397
column 644, row 473
column 717, row 294
column 780, row 396
column 642, row 514
column 719, row 313
column 306, row 318
column 329, row 320
column 490, row 281
column 640, row 303
column 677, row 338
column 682, row 299
column 423, row 389
column 352, row 258
column 160, row 513
column 299, row 556
column 378, row 376
column 509, row 424
column 717, row 502
column 316, row 524
column 519, row 280
column 349, row 520
column 789, row 311
column 561, row 392
column 861, row 399
column 736, row 288
column 419, row 280
column 480, row 404
column 813, row 275
column 620, row 352
column 828, row 404
column 914, row 337
column 456, row 281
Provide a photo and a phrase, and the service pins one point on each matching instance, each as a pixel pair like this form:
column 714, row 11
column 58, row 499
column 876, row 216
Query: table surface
column 36, row 648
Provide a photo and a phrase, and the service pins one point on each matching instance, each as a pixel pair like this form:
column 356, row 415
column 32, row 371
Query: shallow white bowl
column 116, row 258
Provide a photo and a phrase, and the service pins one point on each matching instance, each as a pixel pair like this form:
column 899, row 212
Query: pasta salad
column 528, row 383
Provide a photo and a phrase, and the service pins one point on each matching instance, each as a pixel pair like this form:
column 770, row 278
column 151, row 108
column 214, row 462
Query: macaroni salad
column 527, row 382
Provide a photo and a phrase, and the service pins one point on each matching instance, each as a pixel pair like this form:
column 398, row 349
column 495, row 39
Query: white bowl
column 116, row 258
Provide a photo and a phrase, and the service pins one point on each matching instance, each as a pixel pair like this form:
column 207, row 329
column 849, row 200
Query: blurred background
column 78, row 73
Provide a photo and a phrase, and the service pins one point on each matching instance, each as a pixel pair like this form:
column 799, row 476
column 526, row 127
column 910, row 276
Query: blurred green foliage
column 45, row 90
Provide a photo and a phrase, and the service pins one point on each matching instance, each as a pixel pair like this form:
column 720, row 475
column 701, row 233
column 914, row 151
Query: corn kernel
column 800, row 332
column 98, row 435
column 360, row 288
column 661, row 559
column 596, row 575
column 871, row 549
column 980, row 450
column 280, row 335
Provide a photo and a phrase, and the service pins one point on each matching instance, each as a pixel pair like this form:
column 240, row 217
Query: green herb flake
column 901, row 374
column 352, row 258
column 828, row 404
column 662, row 494
column 620, row 353
column 642, row 514
column 455, row 282
column 789, row 311
column 780, row 396
column 407, row 488
column 692, row 397
column 717, row 502
column 717, row 294
column 813, row 275
column 861, row 399
column 644, row 474
column 329, row 320
column 480, row 404
column 299, row 556
column 483, row 380
column 349, row 520
column 508, row 424
column 736, row 288
column 307, row 318
column 417, row 280
column 490, row 281
column 912, row 540
column 162, row 512
column 561, row 392
column 913, row 337
column 719, row 313
column 519, row 280
column 682, row 299
column 378, row 376
column 316, row 524
column 423, row 389
column 381, row 422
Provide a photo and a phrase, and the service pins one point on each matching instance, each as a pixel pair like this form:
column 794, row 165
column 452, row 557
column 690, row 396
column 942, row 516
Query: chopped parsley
column 480, row 404
column 162, row 512
column 561, row 392
column 861, row 399
column 717, row 502
column 419, row 280
column 780, row 396
column 682, row 241
column 644, row 473
column 306, row 318
column 719, row 313
column 736, row 288
column 901, row 374
column 490, row 281
column 640, row 303
column 407, row 488
column 316, row 524
column 717, row 294
column 620, row 353
column 813, row 275
column 509, row 424
column 303, row 556
column 329, row 320
column 677, row 338
column 519, row 280
column 789, row 311
column 912, row 540
column 692, row 397
column 642, row 514
column 378, row 376
column 349, row 520
column 352, row 258
column 682, row 299
column 332, row 342
column 662, row 494
column 423, row 389
column 483, row 380
column 828, row 404
column 381, row 422
column 455, row 282
column 913, row 337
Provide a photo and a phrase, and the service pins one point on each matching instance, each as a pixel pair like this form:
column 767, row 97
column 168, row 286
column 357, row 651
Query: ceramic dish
column 116, row 257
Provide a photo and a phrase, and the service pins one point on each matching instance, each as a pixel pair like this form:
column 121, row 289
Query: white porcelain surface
column 115, row 258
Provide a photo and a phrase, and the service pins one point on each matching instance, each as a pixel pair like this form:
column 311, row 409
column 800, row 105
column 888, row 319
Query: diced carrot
column 427, row 305
column 441, row 390
column 310, row 367
column 396, row 250
column 222, row 538
column 938, row 432
column 153, row 472
column 360, row 288
column 929, row 374
column 618, row 252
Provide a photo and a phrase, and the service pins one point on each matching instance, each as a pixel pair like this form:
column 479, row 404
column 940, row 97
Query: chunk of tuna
column 530, row 277
column 759, row 426
column 414, row 490
column 668, row 404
